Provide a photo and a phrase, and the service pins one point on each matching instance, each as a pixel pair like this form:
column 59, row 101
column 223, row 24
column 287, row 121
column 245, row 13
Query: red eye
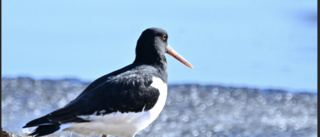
column 164, row 37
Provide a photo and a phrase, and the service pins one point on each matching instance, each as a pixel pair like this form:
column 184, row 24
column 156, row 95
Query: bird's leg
column 104, row 135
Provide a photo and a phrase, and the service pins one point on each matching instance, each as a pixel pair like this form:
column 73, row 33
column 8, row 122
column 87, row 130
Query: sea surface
column 191, row 110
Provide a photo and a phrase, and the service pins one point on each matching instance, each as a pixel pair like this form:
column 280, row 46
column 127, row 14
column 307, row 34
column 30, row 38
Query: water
column 191, row 110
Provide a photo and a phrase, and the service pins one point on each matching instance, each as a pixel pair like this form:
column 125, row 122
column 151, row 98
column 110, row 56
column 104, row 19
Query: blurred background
column 264, row 44
column 255, row 62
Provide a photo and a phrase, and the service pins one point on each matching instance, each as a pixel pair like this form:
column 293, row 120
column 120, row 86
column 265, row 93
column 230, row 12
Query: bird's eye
column 164, row 37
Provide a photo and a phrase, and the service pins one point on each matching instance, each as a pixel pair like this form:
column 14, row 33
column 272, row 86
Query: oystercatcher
column 123, row 102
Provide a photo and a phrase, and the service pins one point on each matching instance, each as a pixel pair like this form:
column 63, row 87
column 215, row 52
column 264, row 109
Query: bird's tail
column 45, row 127
column 45, row 130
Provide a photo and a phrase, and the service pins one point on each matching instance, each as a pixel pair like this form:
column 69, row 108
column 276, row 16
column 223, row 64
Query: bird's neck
column 159, row 63
column 156, row 61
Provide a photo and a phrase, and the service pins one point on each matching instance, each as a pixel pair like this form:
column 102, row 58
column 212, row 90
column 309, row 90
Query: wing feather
column 125, row 93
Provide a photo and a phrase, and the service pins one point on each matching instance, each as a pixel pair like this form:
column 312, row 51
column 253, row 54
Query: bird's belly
column 122, row 124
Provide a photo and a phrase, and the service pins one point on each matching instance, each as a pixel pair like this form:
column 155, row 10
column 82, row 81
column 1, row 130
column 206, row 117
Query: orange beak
column 178, row 57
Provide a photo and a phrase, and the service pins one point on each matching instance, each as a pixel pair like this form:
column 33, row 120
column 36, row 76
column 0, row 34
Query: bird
column 120, row 103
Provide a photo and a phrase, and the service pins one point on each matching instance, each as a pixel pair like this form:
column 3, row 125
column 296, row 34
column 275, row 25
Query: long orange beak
column 178, row 57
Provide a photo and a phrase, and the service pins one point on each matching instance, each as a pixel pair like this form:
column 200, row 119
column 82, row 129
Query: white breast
column 122, row 124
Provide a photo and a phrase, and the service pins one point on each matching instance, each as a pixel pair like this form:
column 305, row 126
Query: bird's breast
column 163, row 88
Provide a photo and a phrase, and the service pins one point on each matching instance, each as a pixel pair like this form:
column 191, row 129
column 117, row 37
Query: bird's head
column 153, row 44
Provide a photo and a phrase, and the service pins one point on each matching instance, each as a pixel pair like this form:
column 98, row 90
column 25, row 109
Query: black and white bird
column 123, row 102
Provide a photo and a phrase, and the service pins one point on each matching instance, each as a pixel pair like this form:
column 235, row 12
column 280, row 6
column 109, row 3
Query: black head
column 151, row 47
